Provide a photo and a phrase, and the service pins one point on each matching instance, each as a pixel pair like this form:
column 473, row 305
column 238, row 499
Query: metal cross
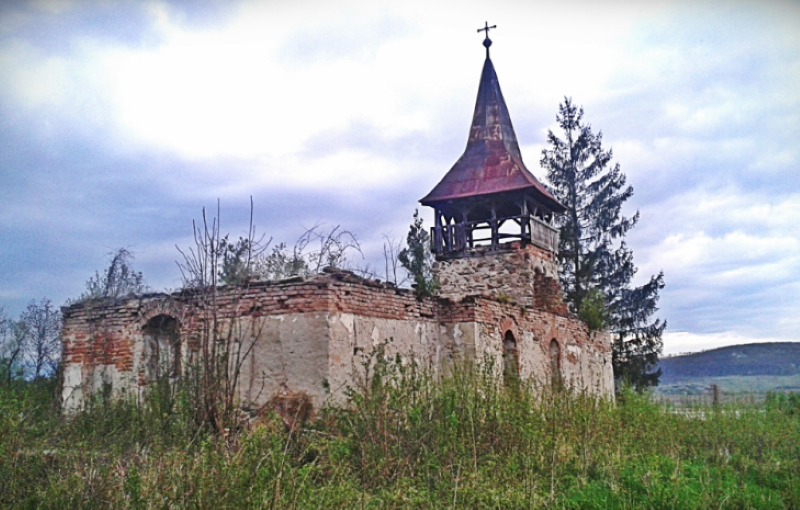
column 487, row 42
column 486, row 28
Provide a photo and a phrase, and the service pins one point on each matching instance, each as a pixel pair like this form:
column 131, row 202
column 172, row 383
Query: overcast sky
column 120, row 121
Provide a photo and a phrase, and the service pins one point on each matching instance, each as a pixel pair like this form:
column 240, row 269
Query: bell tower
column 490, row 210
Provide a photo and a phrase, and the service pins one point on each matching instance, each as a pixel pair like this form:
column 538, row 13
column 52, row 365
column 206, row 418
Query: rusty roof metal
column 492, row 162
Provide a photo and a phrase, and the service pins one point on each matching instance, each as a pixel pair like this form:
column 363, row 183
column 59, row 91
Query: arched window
column 510, row 358
column 555, row 362
column 162, row 347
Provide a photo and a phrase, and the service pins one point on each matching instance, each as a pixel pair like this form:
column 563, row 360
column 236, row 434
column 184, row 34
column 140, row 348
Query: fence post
column 715, row 395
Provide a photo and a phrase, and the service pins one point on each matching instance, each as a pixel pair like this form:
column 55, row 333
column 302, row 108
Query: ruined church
column 499, row 301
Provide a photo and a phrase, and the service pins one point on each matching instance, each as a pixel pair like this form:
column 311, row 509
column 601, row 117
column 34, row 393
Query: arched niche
column 510, row 358
column 162, row 347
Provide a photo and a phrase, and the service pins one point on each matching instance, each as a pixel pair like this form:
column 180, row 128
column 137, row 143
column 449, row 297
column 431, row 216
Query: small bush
column 592, row 310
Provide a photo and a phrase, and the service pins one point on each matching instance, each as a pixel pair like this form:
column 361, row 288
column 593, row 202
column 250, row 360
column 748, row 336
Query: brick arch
column 161, row 306
column 161, row 349
column 508, row 324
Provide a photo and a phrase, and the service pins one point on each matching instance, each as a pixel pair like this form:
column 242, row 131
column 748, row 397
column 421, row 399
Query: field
column 732, row 389
column 405, row 442
column 743, row 374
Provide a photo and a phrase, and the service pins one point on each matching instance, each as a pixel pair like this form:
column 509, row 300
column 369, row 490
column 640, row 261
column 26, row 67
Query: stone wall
column 518, row 273
column 102, row 348
column 303, row 332
column 584, row 360
column 312, row 335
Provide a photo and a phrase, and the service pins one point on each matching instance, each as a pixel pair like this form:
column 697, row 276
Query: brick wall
column 585, row 356
column 104, row 341
column 310, row 316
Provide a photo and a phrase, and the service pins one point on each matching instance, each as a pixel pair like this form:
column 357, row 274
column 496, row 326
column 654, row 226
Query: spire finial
column 487, row 42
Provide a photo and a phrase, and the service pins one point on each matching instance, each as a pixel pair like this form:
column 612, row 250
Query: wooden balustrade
column 457, row 237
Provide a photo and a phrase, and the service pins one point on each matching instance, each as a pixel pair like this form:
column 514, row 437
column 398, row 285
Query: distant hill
column 768, row 359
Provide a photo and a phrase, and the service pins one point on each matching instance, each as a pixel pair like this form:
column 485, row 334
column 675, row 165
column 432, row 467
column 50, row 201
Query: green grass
column 405, row 442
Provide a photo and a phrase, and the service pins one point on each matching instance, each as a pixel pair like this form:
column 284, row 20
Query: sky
column 120, row 121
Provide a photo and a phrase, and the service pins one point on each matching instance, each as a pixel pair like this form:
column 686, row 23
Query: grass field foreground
column 406, row 442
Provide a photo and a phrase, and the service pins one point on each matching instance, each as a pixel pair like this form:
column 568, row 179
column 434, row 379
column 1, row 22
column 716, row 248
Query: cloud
column 121, row 121
column 706, row 97
column 344, row 38
column 68, row 201
column 731, row 263
column 702, row 116
column 56, row 26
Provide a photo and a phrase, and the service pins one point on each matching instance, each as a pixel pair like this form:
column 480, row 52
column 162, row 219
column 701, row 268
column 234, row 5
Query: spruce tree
column 593, row 256
column 418, row 260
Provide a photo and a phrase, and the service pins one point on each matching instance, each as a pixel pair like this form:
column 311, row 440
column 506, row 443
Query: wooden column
column 524, row 222
column 437, row 232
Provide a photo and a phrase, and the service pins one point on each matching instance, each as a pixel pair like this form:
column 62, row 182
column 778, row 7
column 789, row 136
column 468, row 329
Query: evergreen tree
column 418, row 260
column 238, row 261
column 593, row 255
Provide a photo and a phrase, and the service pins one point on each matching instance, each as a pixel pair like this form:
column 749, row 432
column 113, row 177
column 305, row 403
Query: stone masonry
column 526, row 274
column 310, row 335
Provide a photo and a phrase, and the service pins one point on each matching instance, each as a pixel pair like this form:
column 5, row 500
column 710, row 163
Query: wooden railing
column 543, row 235
column 450, row 239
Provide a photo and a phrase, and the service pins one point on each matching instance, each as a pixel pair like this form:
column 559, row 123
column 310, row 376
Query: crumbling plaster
column 311, row 335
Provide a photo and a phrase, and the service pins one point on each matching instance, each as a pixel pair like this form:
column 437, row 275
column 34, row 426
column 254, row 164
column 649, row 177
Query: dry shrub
column 294, row 408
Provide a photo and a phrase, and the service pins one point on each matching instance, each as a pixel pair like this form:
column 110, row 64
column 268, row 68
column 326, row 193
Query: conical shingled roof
column 491, row 162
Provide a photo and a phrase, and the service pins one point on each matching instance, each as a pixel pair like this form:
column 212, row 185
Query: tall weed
column 408, row 439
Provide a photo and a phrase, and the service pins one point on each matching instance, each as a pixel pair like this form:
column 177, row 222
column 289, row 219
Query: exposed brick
column 515, row 289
